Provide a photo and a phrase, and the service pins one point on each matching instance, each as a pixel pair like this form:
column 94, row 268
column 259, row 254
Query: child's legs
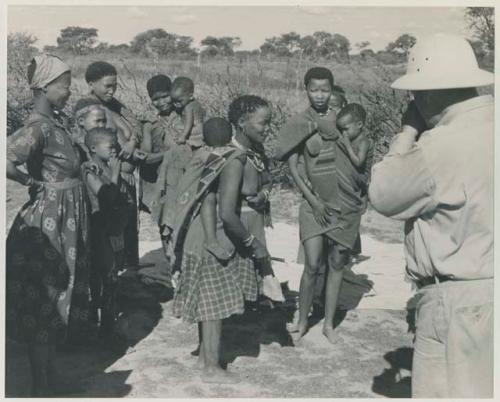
column 338, row 258
column 313, row 249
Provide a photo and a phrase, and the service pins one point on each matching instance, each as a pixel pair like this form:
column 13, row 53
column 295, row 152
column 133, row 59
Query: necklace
column 255, row 158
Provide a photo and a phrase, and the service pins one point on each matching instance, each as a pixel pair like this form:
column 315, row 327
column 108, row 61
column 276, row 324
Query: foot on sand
column 218, row 251
column 271, row 288
column 330, row 334
column 216, row 375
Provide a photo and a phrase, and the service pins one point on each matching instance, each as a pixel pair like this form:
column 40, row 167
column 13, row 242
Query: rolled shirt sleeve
column 402, row 186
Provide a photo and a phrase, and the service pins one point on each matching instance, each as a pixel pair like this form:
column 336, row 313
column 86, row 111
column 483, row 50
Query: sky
column 119, row 24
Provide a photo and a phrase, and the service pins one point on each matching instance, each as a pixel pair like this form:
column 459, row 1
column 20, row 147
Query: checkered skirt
column 208, row 290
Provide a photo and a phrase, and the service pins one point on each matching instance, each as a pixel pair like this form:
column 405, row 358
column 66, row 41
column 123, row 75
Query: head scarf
column 47, row 69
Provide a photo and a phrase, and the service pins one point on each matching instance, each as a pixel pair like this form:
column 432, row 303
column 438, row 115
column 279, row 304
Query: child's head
column 102, row 142
column 159, row 88
column 251, row 116
column 182, row 91
column 217, row 132
column 338, row 99
column 89, row 114
column 351, row 120
column 101, row 77
column 319, row 85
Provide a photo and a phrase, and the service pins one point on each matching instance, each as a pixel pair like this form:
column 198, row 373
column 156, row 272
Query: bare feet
column 271, row 288
column 218, row 251
column 330, row 334
column 215, row 375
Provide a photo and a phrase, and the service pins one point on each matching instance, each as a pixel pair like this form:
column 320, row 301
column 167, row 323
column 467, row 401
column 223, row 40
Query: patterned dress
column 46, row 253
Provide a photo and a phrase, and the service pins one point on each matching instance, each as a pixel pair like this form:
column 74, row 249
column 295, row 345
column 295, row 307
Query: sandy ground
column 372, row 357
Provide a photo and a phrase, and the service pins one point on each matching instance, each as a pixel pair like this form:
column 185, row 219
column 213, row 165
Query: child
column 191, row 111
column 88, row 114
column 351, row 122
column 110, row 207
column 102, row 80
column 338, row 99
column 330, row 214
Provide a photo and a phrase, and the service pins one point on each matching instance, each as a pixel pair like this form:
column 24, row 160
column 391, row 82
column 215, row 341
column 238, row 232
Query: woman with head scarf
column 46, row 250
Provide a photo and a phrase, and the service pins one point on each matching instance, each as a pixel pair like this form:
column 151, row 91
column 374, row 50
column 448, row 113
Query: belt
column 432, row 280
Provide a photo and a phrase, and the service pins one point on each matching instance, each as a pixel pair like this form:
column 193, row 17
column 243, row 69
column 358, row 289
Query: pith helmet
column 442, row 61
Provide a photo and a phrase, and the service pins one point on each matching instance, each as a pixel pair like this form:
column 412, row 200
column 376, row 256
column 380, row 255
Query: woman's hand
column 259, row 251
column 127, row 150
column 180, row 141
column 257, row 201
column 321, row 212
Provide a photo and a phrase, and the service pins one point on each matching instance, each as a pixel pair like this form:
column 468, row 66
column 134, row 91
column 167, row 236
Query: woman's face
column 104, row 88
column 254, row 125
column 58, row 92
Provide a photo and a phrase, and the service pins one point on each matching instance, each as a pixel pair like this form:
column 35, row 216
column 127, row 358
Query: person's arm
column 94, row 183
column 229, row 192
column 188, row 123
column 320, row 210
column 147, row 137
column 358, row 159
column 115, row 166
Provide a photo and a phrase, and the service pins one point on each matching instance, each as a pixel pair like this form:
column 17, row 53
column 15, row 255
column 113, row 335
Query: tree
column 77, row 40
column 308, row 45
column 402, row 44
column 158, row 42
column 482, row 23
column 362, row 45
column 223, row 46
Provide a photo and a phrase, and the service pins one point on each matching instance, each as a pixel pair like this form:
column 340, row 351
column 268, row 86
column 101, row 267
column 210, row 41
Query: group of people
column 206, row 182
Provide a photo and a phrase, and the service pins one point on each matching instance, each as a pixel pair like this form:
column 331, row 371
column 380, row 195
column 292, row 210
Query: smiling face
column 95, row 117
column 319, row 93
column 104, row 88
column 162, row 101
column 180, row 97
column 57, row 91
column 254, row 125
column 350, row 126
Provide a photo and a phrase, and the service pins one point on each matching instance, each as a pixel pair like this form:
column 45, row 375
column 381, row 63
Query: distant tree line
column 319, row 45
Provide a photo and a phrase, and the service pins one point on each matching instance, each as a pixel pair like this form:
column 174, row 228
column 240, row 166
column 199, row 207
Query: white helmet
column 442, row 61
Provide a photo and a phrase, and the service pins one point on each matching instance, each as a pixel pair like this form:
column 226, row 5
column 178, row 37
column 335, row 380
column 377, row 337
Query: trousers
column 453, row 351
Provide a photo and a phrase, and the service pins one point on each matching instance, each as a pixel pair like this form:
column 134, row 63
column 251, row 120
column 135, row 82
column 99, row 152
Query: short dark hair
column 185, row 83
column 318, row 73
column 84, row 105
column 98, row 134
column 158, row 83
column 338, row 89
column 244, row 105
column 355, row 110
column 99, row 69
column 217, row 132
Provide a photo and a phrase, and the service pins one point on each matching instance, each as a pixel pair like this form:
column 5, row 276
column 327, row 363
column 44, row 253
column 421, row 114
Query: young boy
column 190, row 110
column 330, row 214
column 351, row 122
column 338, row 99
column 102, row 80
column 88, row 114
column 110, row 208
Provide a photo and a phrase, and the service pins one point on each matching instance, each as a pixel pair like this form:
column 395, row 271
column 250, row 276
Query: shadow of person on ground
column 395, row 382
column 139, row 309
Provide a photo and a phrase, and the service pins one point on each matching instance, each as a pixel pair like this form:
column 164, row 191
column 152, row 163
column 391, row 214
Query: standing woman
column 46, row 250
column 209, row 290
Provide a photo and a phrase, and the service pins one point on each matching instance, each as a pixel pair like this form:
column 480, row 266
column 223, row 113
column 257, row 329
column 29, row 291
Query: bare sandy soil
column 372, row 357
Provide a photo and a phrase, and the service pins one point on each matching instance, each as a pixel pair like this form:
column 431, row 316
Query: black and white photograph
column 249, row 200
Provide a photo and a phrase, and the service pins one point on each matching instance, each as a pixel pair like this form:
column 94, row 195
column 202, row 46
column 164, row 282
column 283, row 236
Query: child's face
column 105, row 148
column 349, row 126
column 319, row 93
column 180, row 98
column 104, row 88
column 162, row 101
column 255, row 124
column 337, row 101
column 94, row 118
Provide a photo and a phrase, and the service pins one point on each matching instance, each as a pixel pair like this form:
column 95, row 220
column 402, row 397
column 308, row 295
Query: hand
column 259, row 251
column 127, row 150
column 344, row 139
column 413, row 118
column 257, row 201
column 92, row 166
column 114, row 164
column 140, row 155
column 180, row 141
column 321, row 212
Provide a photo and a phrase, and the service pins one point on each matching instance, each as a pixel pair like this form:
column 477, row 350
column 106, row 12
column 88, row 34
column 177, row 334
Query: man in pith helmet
column 442, row 186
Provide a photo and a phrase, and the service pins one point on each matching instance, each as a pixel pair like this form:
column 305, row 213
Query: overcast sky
column 119, row 24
